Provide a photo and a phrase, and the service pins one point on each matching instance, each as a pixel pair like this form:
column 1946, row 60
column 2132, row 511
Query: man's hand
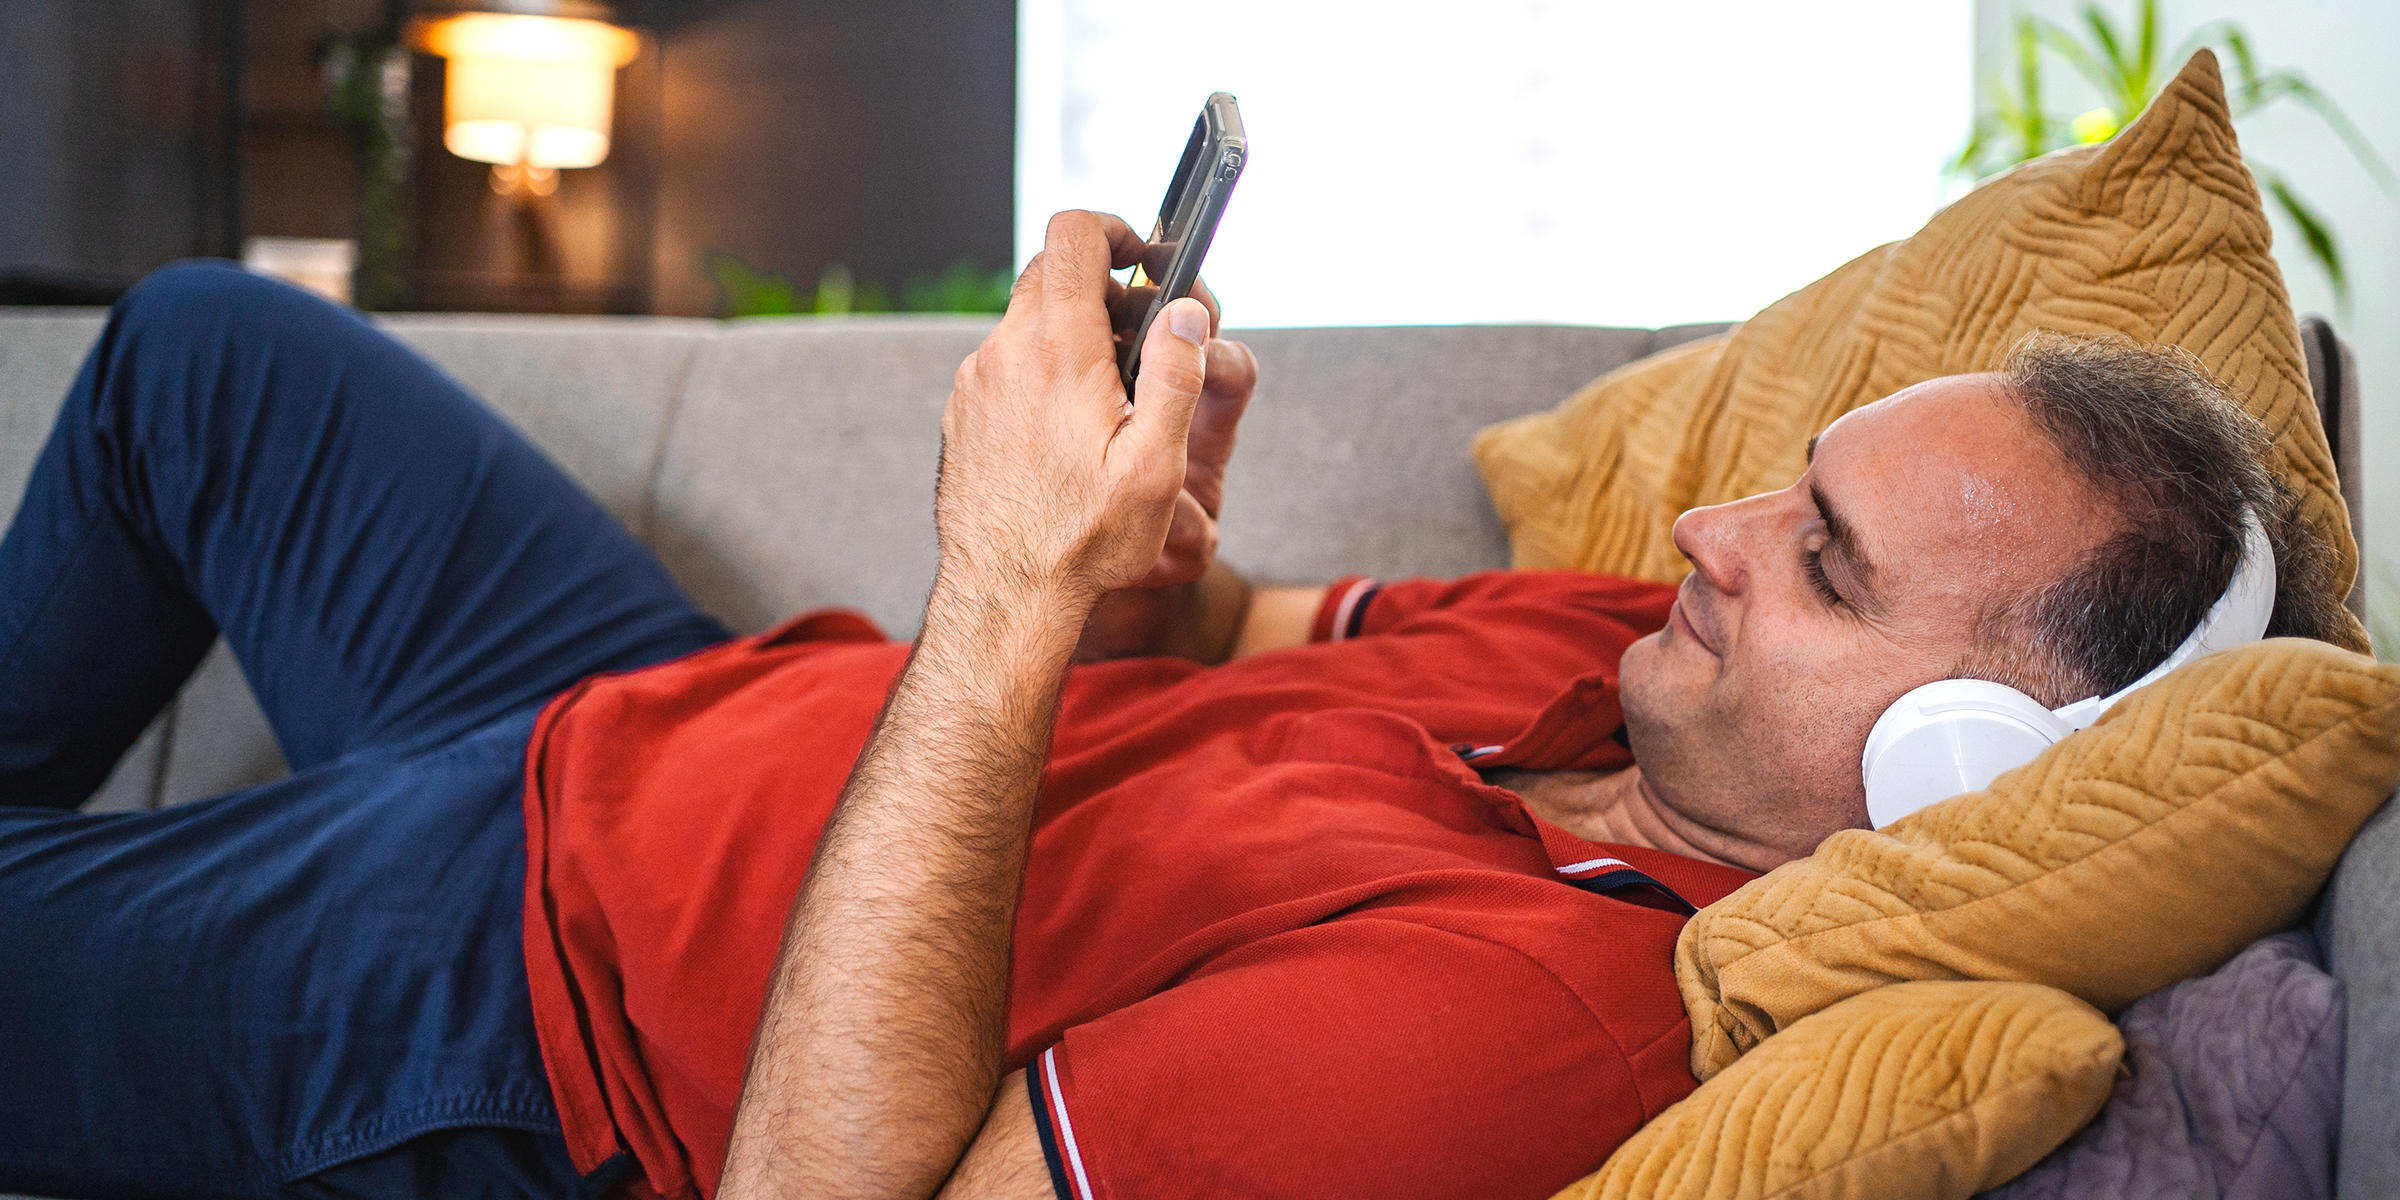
column 1232, row 374
column 879, row 1050
column 1051, row 479
column 1188, row 605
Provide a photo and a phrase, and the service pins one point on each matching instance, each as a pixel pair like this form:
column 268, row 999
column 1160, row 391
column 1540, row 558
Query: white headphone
column 1957, row 735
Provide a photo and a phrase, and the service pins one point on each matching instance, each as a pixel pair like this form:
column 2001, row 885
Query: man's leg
column 392, row 564
column 233, row 997
column 249, row 993
column 458, row 1164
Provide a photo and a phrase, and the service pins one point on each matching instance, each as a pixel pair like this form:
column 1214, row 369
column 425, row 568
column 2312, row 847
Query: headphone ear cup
column 1947, row 738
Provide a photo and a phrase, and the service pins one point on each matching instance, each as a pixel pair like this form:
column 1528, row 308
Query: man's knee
column 205, row 292
column 182, row 340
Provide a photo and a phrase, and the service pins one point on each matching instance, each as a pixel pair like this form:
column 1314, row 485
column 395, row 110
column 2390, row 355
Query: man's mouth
column 1679, row 616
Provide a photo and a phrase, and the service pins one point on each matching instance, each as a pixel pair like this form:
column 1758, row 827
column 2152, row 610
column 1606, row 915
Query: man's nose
column 1712, row 538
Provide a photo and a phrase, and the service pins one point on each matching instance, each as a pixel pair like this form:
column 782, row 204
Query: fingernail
column 1188, row 319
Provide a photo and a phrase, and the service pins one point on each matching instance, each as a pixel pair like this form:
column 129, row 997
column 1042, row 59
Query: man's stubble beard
column 1766, row 777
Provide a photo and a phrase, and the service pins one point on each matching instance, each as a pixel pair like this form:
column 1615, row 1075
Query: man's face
column 1809, row 610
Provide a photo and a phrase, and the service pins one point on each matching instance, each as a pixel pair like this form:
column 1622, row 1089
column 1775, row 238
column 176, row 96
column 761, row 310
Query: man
column 1385, row 913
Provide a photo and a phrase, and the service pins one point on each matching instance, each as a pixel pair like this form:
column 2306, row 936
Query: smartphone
column 1187, row 218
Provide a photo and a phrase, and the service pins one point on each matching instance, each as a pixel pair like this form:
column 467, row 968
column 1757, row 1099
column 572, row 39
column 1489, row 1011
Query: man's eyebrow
column 1841, row 539
column 1812, row 447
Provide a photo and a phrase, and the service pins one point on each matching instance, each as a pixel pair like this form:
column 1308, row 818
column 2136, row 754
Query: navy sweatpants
column 316, row 987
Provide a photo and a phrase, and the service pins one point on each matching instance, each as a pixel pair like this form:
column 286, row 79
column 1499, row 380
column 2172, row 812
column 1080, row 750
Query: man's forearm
column 880, row 1045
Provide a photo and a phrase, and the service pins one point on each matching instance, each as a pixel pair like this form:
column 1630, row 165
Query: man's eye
column 1814, row 562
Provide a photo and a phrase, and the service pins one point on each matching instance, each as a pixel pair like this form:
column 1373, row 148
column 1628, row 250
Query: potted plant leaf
column 2124, row 64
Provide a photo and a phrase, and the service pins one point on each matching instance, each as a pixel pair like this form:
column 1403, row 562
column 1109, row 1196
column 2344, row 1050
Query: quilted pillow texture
column 2197, row 816
column 1924, row 1090
column 2157, row 234
column 2233, row 1091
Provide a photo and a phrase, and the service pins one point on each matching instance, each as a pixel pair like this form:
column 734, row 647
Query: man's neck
column 1617, row 807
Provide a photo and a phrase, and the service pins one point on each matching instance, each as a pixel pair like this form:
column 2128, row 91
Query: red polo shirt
column 1277, row 938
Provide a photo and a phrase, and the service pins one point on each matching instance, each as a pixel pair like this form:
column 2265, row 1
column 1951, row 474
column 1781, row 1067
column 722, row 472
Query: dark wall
column 299, row 172
column 791, row 133
column 879, row 134
column 111, row 159
column 122, row 146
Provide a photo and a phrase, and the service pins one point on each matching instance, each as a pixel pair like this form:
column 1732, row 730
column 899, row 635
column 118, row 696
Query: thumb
column 1173, row 368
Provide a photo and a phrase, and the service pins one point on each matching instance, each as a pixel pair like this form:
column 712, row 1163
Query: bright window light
column 1605, row 163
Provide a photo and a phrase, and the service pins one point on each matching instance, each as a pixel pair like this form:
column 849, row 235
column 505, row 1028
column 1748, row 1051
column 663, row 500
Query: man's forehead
column 1988, row 388
column 1950, row 477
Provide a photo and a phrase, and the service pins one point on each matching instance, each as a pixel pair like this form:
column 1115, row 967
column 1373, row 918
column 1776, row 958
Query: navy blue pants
column 315, row 987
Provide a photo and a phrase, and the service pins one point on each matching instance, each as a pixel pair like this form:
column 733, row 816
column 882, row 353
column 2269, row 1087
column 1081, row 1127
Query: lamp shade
column 527, row 89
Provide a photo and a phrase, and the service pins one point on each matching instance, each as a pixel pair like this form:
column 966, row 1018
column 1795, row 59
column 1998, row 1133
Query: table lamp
column 530, row 84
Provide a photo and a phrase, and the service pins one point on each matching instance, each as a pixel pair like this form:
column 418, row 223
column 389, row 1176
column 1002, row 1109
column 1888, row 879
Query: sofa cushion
column 40, row 352
column 1353, row 455
column 1918, row 1090
column 2158, row 234
column 799, row 468
column 595, row 393
column 2197, row 816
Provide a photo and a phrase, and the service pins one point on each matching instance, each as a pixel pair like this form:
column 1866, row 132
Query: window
column 1606, row 163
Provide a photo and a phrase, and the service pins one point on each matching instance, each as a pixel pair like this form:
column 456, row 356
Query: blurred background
column 791, row 134
column 1521, row 160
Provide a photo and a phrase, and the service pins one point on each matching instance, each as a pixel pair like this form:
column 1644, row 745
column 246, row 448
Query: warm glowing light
column 530, row 90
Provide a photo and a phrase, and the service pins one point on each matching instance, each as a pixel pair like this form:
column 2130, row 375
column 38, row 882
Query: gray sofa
column 777, row 465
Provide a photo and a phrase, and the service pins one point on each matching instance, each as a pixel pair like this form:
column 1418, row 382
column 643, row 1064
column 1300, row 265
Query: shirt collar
column 1579, row 729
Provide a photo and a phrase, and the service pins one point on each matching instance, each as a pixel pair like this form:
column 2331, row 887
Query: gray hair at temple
column 2183, row 462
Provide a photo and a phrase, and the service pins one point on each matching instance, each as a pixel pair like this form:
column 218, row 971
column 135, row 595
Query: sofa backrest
column 779, row 465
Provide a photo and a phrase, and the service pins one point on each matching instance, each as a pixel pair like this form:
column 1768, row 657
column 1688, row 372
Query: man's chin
column 1655, row 699
column 1643, row 646
column 1637, row 681
column 1639, row 667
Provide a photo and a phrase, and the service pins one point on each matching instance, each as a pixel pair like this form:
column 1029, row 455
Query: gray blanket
column 2232, row 1088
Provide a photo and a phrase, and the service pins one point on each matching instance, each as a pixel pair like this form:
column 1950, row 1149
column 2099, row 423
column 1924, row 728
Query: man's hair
column 2182, row 462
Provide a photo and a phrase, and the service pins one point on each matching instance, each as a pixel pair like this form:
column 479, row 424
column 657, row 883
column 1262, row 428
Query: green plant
column 964, row 288
column 2124, row 64
column 747, row 291
column 840, row 292
column 366, row 91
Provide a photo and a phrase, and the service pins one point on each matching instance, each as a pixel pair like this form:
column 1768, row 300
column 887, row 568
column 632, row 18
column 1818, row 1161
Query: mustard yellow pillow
column 2197, row 816
column 2157, row 234
column 1923, row 1090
